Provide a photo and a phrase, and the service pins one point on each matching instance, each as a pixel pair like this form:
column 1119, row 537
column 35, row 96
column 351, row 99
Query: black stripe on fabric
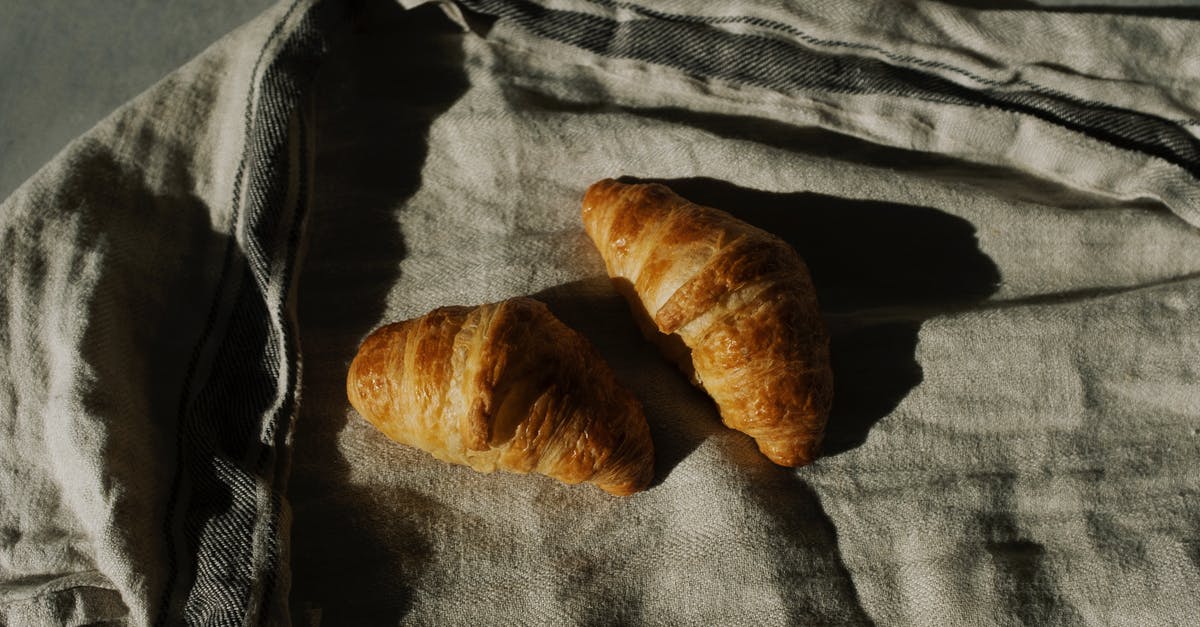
column 232, row 432
column 176, row 561
column 697, row 47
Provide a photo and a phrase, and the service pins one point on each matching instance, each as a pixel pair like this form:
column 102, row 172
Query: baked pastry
column 504, row 385
column 730, row 303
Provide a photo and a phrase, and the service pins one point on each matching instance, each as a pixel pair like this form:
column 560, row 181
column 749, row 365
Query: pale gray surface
column 65, row 64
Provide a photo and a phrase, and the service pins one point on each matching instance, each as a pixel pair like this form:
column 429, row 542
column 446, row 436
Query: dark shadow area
column 880, row 270
column 384, row 82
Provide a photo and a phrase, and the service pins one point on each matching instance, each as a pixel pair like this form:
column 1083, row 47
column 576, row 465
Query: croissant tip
column 620, row 490
column 791, row 458
column 628, row 488
column 641, row 477
column 596, row 192
column 353, row 373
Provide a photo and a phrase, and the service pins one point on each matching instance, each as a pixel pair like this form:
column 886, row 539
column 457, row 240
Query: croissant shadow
column 880, row 270
column 377, row 94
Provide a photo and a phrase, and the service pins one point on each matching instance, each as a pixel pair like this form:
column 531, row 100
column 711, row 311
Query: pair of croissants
column 509, row 386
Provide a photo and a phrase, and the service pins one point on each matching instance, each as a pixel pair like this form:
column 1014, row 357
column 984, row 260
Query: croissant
column 730, row 303
column 504, row 385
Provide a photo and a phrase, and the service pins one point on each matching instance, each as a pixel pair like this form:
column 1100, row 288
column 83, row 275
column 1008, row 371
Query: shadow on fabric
column 377, row 95
column 138, row 323
column 880, row 270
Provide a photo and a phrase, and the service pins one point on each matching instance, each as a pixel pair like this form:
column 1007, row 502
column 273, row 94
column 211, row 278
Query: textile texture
column 999, row 210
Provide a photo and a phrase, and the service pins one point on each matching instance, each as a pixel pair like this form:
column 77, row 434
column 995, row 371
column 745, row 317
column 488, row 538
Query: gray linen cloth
column 999, row 209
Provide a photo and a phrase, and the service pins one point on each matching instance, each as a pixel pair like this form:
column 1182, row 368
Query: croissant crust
column 503, row 386
column 732, row 304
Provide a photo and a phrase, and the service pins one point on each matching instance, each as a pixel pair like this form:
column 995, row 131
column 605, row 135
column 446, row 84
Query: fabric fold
column 911, row 86
column 151, row 369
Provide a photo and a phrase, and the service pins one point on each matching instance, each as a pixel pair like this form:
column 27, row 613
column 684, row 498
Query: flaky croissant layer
column 504, row 385
column 732, row 304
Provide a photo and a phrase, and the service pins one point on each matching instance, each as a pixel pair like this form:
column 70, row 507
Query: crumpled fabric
column 999, row 210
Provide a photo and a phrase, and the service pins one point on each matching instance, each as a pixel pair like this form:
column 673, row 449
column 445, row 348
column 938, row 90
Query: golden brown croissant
column 731, row 303
column 505, row 385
